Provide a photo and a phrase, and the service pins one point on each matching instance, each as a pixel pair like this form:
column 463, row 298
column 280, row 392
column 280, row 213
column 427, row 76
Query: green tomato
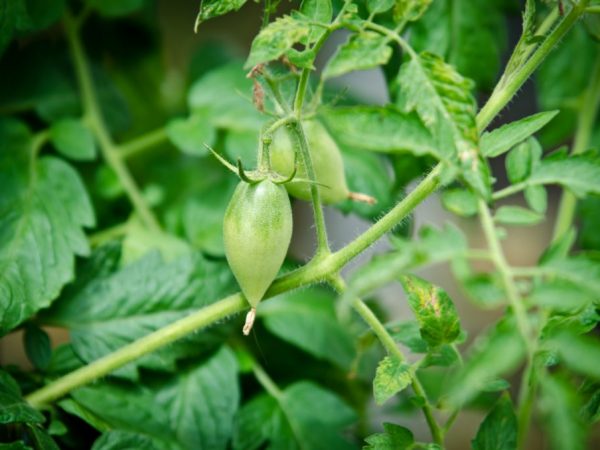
column 326, row 158
column 257, row 230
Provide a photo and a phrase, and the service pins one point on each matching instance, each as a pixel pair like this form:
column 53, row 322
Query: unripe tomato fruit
column 257, row 230
column 326, row 158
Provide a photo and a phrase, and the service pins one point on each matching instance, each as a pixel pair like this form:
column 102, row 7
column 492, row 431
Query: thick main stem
column 95, row 119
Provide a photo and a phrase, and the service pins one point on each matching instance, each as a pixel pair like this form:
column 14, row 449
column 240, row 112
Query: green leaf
column 498, row 431
column 483, row 289
column 73, row 139
column 191, row 409
column 445, row 102
column 275, row 39
column 43, row 207
column 13, row 409
column 394, row 437
column 579, row 173
column 469, row 34
column 434, row 245
column 304, row 416
column 367, row 173
column 362, row 51
column 537, row 198
column 560, row 295
column 589, row 217
column 379, row 6
column 215, row 8
column 521, row 160
column 317, row 11
column 502, row 139
column 308, row 320
column 560, row 406
column 156, row 293
column 407, row 332
column 37, row 346
column 434, row 310
column 392, row 376
column 192, row 134
column 123, row 440
column 461, row 202
column 579, row 353
column 224, row 96
column 410, row 10
column 496, row 353
column 516, row 215
column 379, row 129
column 582, row 270
column 115, row 8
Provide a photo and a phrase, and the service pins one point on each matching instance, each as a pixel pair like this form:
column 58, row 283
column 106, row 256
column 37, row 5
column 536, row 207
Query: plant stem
column 393, row 350
column 143, row 143
column 588, row 112
column 96, row 122
column 593, row 9
column 508, row 191
column 503, row 268
column 500, row 98
column 265, row 381
column 108, row 234
column 166, row 335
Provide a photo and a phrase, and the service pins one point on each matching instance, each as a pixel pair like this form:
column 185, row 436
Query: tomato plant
column 148, row 193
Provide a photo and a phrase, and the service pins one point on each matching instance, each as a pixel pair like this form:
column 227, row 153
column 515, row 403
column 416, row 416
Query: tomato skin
column 257, row 230
column 326, row 158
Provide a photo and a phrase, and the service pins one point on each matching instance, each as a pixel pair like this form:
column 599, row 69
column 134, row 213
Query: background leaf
column 362, row 51
column 499, row 429
column 44, row 206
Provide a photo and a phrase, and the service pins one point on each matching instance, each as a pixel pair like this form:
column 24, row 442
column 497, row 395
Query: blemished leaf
column 444, row 100
column 363, row 51
column 498, row 430
column 191, row 134
column 308, row 320
column 472, row 40
column 43, row 207
column 580, row 173
column 579, row 353
column 114, row 307
column 276, row 38
column 502, row 139
column 521, row 160
column 123, row 440
column 434, row 310
column 225, row 96
column 392, row 376
column 215, row 8
column 394, row 437
column 13, row 409
column 37, row 346
column 191, row 409
column 293, row 421
column 318, row 11
column 461, row 202
column 73, row 139
column 380, row 129
column 494, row 354
column 560, row 407
column 517, row 215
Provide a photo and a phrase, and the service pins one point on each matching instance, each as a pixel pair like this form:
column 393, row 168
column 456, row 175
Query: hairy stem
column 500, row 98
column 96, row 122
column 588, row 113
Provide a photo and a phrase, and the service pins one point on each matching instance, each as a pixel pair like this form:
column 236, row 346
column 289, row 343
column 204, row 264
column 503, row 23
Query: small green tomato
column 326, row 158
column 257, row 230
